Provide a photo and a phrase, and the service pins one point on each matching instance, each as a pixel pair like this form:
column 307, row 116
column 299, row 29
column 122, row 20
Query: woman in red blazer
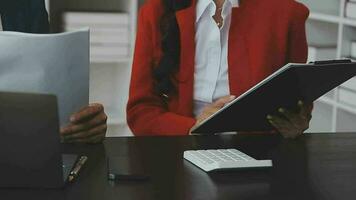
column 263, row 36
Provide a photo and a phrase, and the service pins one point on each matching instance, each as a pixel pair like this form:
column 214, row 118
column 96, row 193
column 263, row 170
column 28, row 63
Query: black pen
column 78, row 166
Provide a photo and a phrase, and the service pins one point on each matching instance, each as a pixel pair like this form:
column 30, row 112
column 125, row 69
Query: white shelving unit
column 327, row 25
column 109, row 81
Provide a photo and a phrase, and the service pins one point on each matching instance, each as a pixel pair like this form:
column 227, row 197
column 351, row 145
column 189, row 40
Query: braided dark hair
column 168, row 66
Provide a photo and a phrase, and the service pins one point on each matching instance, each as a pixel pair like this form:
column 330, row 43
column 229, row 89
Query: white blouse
column 211, row 55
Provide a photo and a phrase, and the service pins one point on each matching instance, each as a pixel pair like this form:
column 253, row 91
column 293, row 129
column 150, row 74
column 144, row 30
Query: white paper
column 49, row 64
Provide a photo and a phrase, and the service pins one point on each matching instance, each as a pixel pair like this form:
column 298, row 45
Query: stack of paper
column 351, row 9
column 321, row 52
column 109, row 33
column 48, row 63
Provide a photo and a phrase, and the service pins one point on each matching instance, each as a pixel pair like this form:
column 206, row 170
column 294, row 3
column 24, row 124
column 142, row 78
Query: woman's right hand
column 212, row 109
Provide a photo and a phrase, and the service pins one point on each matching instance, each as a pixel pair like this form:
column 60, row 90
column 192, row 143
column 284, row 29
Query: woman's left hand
column 292, row 124
column 86, row 126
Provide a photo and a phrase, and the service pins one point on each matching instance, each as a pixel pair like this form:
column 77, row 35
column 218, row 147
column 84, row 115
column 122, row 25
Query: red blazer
column 264, row 36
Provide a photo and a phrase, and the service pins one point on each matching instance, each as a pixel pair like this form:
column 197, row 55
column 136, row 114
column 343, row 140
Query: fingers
column 280, row 123
column 305, row 109
column 214, row 107
column 300, row 119
column 207, row 112
column 87, row 126
column 86, row 113
column 94, row 135
column 295, row 118
column 284, row 126
column 291, row 116
column 292, row 124
column 100, row 118
column 93, row 140
column 224, row 100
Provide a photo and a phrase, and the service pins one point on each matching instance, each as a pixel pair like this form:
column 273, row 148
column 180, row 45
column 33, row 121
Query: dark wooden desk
column 318, row 166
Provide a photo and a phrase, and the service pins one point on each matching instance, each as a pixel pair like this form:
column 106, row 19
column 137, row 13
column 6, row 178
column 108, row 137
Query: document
column 55, row 64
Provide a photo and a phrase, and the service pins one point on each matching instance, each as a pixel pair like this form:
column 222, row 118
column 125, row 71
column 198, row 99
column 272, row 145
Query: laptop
column 30, row 155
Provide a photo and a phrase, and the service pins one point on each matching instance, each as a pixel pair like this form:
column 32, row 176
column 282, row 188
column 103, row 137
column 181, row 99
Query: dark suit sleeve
column 39, row 23
column 28, row 16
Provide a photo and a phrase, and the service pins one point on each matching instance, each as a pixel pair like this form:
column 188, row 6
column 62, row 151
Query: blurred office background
column 331, row 31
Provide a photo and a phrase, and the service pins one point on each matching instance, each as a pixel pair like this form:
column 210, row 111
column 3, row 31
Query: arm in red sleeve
column 298, row 46
column 147, row 114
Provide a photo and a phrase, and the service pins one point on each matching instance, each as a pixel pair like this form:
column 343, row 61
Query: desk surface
column 318, row 166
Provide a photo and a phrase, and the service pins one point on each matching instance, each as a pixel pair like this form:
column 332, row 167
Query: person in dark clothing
column 28, row 16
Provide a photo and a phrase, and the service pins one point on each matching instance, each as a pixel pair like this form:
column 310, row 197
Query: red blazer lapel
column 186, row 23
column 240, row 77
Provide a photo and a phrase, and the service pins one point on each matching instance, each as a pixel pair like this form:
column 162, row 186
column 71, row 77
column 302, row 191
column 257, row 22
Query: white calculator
column 223, row 159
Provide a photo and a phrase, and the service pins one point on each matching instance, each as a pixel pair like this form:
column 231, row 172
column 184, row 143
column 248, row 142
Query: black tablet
column 284, row 88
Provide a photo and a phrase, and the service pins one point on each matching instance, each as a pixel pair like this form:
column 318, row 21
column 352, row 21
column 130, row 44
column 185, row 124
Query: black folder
column 284, row 88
